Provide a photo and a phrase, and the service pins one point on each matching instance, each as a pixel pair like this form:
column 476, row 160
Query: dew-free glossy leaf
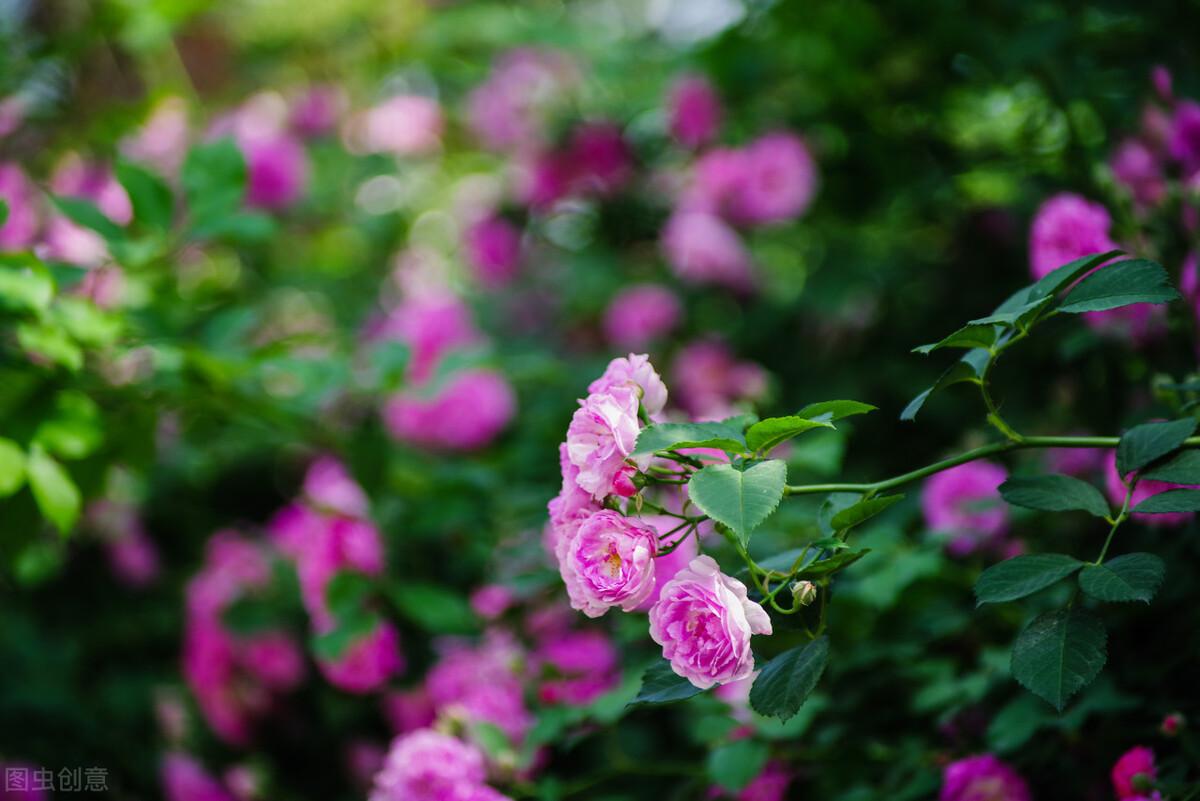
column 766, row 434
column 834, row 410
column 972, row 335
column 1170, row 502
column 742, row 496
column 788, row 679
column 1183, row 468
column 12, row 467
column 1120, row 284
column 53, row 490
column 1059, row 653
column 1141, row 445
column 661, row 685
column 1054, row 493
column 1065, row 275
column 862, row 511
column 1023, row 575
column 670, row 436
column 968, row 368
column 1131, row 577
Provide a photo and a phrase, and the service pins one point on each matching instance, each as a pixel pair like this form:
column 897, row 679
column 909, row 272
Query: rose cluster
column 701, row 617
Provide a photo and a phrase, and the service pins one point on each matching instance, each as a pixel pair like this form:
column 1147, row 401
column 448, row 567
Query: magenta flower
column 634, row 371
column 1137, row 168
column 329, row 487
column 694, row 111
column 19, row 230
column 640, row 314
column 63, row 239
column 509, row 110
column 317, row 110
column 609, row 562
column 601, row 436
column 580, row 666
column 185, row 779
column 465, row 413
column 276, row 170
column 134, row 558
column 964, row 503
column 481, row 683
column 431, row 326
column 426, row 765
column 702, row 249
column 162, row 141
column 491, row 601
column 1067, row 227
column 493, row 249
column 404, row 125
column 769, row 785
column 704, row 621
column 709, row 380
column 1189, row 283
column 1184, row 142
column 666, row 566
column 779, row 182
column 601, row 159
column 368, row 662
column 1134, row 774
column 982, row 778
column 274, row 658
column 1144, row 489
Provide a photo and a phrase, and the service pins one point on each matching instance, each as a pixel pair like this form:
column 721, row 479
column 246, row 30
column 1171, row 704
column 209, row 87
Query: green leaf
column 55, row 492
column 347, row 592
column 968, row 368
column 1132, row 577
column 851, row 516
column 834, row 502
column 1183, row 468
column 1141, row 445
column 85, row 322
column 1054, row 493
column 1058, row 654
column 240, row 226
column 972, row 335
column 670, row 436
column 84, row 213
column 149, row 195
column 787, row 680
column 824, row 567
column 12, row 467
column 834, row 410
column 766, row 434
column 661, row 685
column 74, row 431
column 50, row 343
column 1023, row 575
column 434, row 608
column 1120, row 284
column 1169, row 502
column 734, row 765
column 332, row 644
column 25, row 289
column 1065, row 275
column 741, row 497
column 3, row 211
column 214, row 179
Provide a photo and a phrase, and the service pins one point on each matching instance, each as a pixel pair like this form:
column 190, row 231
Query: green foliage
column 670, row 436
column 661, row 685
column 1054, row 493
column 735, row 764
column 1023, row 575
column 152, row 200
column 787, row 680
column 1141, row 445
column 1132, row 577
column 834, row 410
column 12, row 467
column 767, row 434
column 1171, row 501
column 55, row 492
column 433, row 607
column 862, row 511
column 1183, row 468
column 1120, row 284
column 1059, row 653
column 739, row 496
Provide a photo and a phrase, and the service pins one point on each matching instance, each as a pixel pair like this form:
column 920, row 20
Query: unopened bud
column 1172, row 724
column 625, row 482
column 804, row 593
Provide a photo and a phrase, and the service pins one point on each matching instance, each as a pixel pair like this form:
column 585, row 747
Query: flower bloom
column 466, row 413
column 634, row 370
column 1144, row 489
column 601, row 436
column 431, row 326
column 330, row 487
column 404, row 125
column 694, row 111
column 1067, row 227
column 703, row 249
column 508, row 111
column 66, row 241
column 1184, row 141
column 609, row 562
column 317, row 110
column 185, row 779
column 708, row 379
column 582, row 666
column 162, row 141
column 276, row 170
column 1134, row 773
column 769, row 785
column 982, row 778
column 666, row 566
column 493, row 249
column 18, row 192
column 640, row 314
column 368, row 662
column 426, row 765
column 964, row 502
column 704, row 621
column 481, row 683
column 1137, row 168
column 779, row 182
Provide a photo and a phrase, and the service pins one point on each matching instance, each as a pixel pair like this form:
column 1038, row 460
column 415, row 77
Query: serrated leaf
column 788, row 679
column 1023, row 575
column 863, row 510
column 834, row 410
column 968, row 368
column 55, row 493
column 766, row 434
column 972, row 335
column 1054, row 493
column 1183, row 468
column 670, row 436
column 1131, row 577
column 741, row 497
column 734, row 765
column 12, row 467
column 1059, row 653
column 1141, row 445
column 836, row 562
column 150, row 197
column 1170, row 502
column 661, row 685
column 1121, row 284
column 1067, row 274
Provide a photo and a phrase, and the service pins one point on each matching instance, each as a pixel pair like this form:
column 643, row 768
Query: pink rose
column 609, row 562
column 1067, row 227
column 666, row 566
column 185, row 779
column 640, row 314
column 493, row 249
column 1184, row 142
column 19, row 193
column 1137, row 168
column 634, row 370
column 466, row 413
column 368, row 663
column 964, row 502
column 426, row 765
column 276, row 170
column 694, row 111
column 582, row 665
column 709, row 380
column 1144, row 489
column 601, row 436
column 162, row 141
column 982, row 777
column 703, row 249
column 601, row 159
column 329, row 487
column 704, row 621
column 779, row 181
column 404, row 125
column 1134, row 763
